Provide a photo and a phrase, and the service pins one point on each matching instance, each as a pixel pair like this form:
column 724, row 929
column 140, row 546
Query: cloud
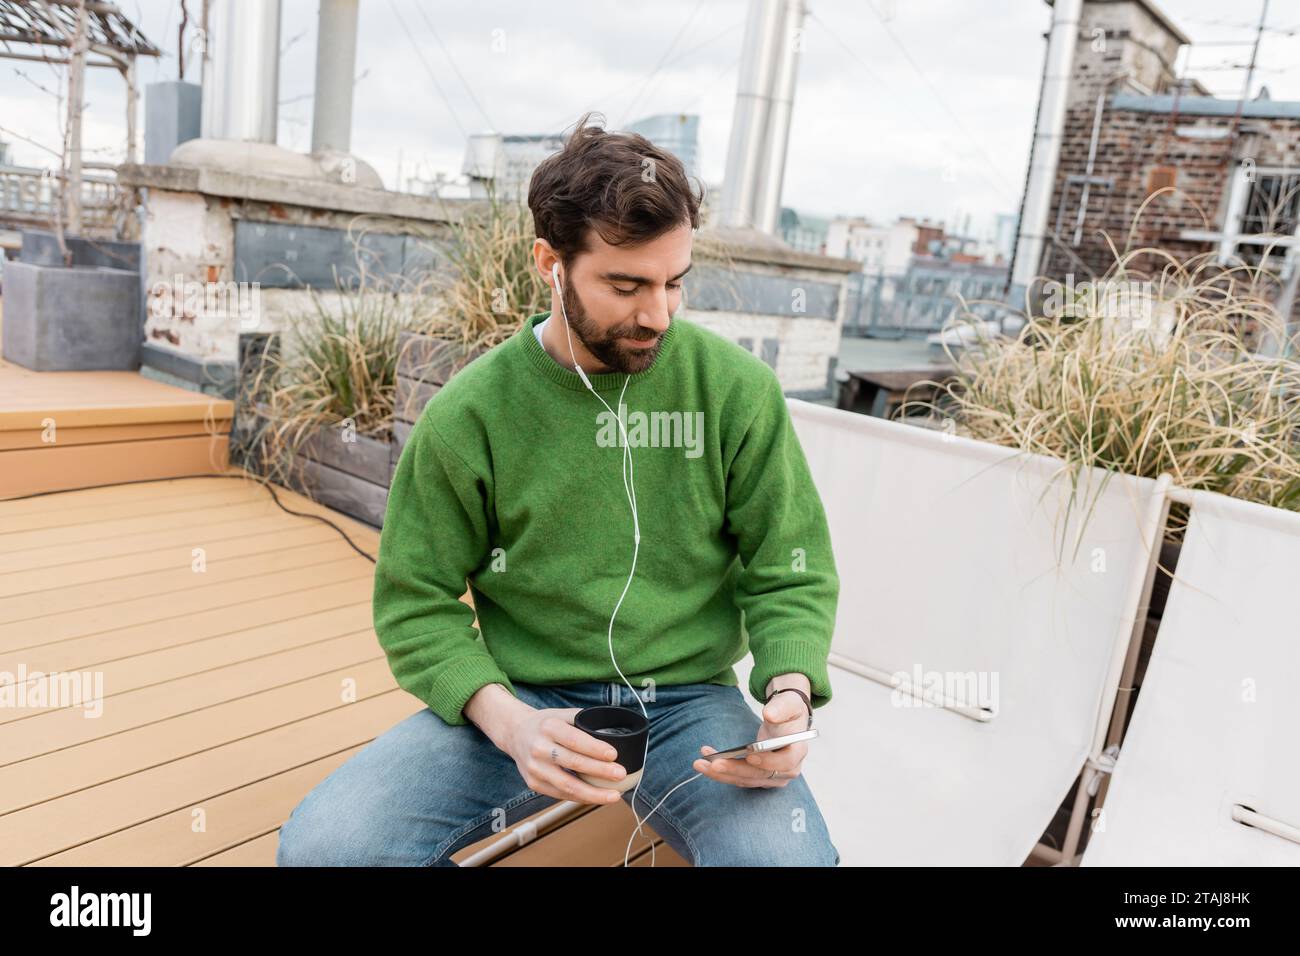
column 870, row 134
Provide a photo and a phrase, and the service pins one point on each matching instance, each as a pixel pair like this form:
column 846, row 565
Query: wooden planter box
column 348, row 476
column 424, row 365
column 354, row 476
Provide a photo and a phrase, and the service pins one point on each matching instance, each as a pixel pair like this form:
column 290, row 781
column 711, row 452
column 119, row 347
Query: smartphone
column 760, row 746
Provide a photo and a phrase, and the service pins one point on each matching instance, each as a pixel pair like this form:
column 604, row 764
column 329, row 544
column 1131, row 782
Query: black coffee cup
column 625, row 730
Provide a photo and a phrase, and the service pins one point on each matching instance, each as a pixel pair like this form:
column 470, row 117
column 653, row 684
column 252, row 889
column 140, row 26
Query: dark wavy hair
column 620, row 184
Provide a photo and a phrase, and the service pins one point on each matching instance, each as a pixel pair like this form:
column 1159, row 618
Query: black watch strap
column 794, row 690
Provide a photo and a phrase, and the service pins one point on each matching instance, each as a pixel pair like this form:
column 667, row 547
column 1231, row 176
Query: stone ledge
column 293, row 192
column 209, row 376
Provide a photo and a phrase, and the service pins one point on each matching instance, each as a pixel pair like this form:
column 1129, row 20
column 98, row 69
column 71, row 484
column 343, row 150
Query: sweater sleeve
column 435, row 534
column 789, row 587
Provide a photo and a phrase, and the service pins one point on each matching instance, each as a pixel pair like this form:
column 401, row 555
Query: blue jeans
column 424, row 789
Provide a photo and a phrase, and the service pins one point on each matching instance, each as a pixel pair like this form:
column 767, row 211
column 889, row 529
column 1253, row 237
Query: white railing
column 29, row 197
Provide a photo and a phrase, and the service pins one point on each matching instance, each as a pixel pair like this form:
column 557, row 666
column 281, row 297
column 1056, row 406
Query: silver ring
column 774, row 773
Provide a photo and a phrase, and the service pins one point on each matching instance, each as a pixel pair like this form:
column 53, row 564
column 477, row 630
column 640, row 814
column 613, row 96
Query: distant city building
column 882, row 249
column 929, row 293
column 437, row 183
column 804, row 232
column 678, row 133
column 1004, row 235
column 506, row 162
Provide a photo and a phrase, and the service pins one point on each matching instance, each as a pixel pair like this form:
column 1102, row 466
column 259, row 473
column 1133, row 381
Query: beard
column 605, row 345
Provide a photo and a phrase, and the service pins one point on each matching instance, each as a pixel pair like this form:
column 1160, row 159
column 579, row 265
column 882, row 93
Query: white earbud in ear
column 555, row 274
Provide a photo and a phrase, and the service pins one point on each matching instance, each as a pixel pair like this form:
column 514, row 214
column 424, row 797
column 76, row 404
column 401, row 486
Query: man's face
column 620, row 299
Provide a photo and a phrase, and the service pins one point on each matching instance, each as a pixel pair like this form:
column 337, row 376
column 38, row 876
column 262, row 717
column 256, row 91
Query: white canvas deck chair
column 1207, row 774
column 948, row 566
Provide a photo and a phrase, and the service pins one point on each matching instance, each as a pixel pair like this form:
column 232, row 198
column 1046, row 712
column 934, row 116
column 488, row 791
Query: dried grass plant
column 1165, row 378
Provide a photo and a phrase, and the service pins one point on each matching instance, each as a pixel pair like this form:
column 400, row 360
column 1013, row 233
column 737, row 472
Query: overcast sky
column 903, row 107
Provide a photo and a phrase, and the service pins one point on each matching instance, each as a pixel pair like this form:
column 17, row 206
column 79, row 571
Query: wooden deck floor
column 221, row 688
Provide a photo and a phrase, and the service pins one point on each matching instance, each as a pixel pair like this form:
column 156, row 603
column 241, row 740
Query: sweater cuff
column 791, row 657
column 460, row 681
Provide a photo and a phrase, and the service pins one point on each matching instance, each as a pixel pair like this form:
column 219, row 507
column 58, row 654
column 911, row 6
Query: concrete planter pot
column 41, row 248
column 81, row 318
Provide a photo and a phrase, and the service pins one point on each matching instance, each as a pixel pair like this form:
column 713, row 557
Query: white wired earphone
column 629, row 488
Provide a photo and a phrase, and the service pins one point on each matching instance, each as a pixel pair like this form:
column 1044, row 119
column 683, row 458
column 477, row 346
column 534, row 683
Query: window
column 1262, row 224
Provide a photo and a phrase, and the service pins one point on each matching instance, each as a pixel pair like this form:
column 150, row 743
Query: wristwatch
column 796, row 690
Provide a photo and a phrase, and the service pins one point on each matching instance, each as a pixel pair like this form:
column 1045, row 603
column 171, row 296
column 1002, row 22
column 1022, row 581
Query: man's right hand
column 544, row 743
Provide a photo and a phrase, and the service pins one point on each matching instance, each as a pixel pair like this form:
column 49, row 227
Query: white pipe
column 761, row 47
column 1267, row 824
column 1047, row 141
column 241, row 67
column 776, row 141
column 336, row 61
column 896, row 682
column 1087, row 173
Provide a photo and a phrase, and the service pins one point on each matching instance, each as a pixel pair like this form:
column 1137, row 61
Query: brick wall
column 1124, row 48
column 1139, row 151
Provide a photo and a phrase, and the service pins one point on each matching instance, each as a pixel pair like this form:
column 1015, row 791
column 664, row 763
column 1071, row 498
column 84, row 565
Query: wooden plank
column 81, row 399
column 258, row 502
column 232, row 823
column 108, row 495
column 155, row 609
column 89, row 516
column 410, row 397
column 273, row 535
column 76, row 818
column 158, row 589
column 401, row 434
column 664, row 855
column 559, row 852
column 122, row 536
column 598, row 838
column 98, row 435
column 276, row 610
column 135, row 749
column 172, row 516
column 346, row 493
column 256, row 852
column 36, row 411
column 32, row 470
column 364, row 535
column 120, row 676
column 365, row 458
column 432, row 360
column 252, row 520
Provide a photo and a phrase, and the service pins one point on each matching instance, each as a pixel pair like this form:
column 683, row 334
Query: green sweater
column 513, row 479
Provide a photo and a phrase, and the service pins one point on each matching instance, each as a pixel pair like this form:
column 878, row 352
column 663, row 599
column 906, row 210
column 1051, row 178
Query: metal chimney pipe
column 336, row 62
column 1047, row 143
column 767, row 198
column 759, row 54
column 241, row 70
